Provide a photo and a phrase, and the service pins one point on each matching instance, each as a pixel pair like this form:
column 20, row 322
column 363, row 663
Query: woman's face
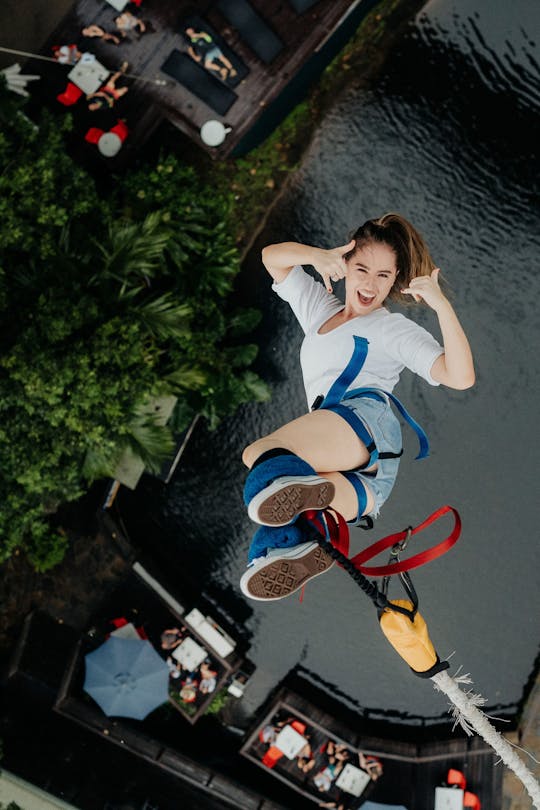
column 371, row 272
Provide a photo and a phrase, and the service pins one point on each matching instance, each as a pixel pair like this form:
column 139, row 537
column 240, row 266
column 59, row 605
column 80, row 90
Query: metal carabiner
column 401, row 546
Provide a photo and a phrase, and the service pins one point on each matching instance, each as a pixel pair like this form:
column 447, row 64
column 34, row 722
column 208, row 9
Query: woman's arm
column 454, row 368
column 280, row 259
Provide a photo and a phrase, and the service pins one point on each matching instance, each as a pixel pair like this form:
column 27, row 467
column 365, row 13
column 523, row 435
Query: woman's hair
column 412, row 255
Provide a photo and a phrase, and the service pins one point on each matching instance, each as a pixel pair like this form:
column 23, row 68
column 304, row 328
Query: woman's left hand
column 426, row 288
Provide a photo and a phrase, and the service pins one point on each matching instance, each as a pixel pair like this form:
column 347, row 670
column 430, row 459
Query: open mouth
column 366, row 300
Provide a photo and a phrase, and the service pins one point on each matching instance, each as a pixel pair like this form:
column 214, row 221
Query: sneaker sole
column 280, row 502
column 271, row 579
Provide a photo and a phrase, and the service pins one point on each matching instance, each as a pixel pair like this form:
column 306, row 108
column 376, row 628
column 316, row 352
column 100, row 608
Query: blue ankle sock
column 268, row 537
column 267, row 471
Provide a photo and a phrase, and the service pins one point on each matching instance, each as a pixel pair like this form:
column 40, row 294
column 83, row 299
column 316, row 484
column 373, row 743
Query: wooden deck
column 153, row 95
column 412, row 769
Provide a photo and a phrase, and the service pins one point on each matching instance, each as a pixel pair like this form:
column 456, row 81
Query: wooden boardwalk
column 412, row 769
column 154, row 95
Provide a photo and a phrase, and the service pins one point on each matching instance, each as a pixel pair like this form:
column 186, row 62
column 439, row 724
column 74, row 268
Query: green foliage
column 106, row 301
column 219, row 701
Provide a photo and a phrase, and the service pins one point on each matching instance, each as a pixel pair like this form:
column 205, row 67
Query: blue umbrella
column 126, row 677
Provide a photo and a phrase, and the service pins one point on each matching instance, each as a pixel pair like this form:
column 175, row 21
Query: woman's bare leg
column 328, row 443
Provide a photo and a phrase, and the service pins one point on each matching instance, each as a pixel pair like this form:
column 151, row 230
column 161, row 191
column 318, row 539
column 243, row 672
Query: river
column 447, row 135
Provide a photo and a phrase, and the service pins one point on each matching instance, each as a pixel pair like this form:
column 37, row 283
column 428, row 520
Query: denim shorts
column 379, row 418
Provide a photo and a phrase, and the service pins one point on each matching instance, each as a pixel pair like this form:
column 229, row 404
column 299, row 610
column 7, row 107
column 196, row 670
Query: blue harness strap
column 338, row 392
column 349, row 373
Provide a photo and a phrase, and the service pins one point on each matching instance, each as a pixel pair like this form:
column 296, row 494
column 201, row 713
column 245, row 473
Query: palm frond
column 133, row 252
column 186, row 378
column 151, row 442
column 164, row 317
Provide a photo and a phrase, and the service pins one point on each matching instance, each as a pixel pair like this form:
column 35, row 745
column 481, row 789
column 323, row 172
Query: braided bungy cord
column 464, row 706
column 371, row 589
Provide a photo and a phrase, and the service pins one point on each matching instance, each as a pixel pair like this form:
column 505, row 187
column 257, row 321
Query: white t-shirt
column 395, row 342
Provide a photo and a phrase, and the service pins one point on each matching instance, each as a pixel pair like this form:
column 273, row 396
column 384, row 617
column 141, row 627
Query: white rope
column 138, row 77
column 466, row 712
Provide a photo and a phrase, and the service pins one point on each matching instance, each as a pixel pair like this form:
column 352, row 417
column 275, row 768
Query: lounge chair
column 198, row 81
column 252, row 28
column 199, row 24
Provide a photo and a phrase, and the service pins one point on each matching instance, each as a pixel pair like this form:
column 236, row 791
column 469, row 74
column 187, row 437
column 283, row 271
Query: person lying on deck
column 107, row 96
column 203, row 49
column 127, row 22
column 94, row 30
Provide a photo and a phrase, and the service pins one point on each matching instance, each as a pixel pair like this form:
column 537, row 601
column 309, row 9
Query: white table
column 290, row 742
column 89, row 76
column 126, row 631
column 448, row 798
column 119, row 5
column 109, row 144
column 352, row 780
column 213, row 133
column 189, row 654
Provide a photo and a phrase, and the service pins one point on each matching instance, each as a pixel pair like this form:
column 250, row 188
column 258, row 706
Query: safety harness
column 339, row 392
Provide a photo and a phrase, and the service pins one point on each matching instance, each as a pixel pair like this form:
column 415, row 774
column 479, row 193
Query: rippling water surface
column 447, row 136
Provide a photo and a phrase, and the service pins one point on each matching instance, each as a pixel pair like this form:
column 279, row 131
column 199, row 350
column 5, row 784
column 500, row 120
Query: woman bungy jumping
column 344, row 454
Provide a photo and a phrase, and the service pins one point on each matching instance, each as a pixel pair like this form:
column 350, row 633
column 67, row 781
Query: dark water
column 447, row 136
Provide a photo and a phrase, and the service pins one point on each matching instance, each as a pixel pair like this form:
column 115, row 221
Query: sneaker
column 285, row 498
column 284, row 571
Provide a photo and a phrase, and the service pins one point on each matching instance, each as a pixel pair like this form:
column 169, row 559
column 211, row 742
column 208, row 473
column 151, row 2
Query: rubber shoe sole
column 284, row 499
column 284, row 571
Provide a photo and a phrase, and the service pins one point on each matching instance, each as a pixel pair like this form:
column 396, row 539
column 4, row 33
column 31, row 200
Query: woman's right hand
column 330, row 264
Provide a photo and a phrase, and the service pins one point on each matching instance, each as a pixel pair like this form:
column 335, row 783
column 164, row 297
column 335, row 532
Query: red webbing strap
column 416, row 560
column 338, row 531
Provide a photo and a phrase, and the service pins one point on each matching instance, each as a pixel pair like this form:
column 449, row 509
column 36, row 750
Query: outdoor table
column 126, row 631
column 448, row 798
column 352, row 780
column 88, row 75
column 119, row 5
column 109, row 144
column 213, row 133
column 189, row 654
column 290, row 742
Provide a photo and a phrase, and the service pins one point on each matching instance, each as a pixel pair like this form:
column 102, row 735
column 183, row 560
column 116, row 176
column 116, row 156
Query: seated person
column 336, row 752
column 306, row 758
column 66, row 54
column 127, row 22
column 202, row 48
column 171, row 638
column 208, row 678
column 371, row 765
column 188, row 692
column 108, row 95
column 324, row 779
column 268, row 734
column 97, row 31
column 175, row 670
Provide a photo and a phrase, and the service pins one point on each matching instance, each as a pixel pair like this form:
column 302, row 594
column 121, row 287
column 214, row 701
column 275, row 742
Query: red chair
column 272, row 756
column 299, row 727
column 471, row 801
column 70, row 96
column 121, row 130
column 456, row 778
column 93, row 135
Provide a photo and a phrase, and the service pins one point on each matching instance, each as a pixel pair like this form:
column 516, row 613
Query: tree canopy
column 106, row 300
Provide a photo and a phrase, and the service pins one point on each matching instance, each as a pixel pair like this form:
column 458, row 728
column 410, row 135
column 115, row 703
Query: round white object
column 213, row 133
column 109, row 144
